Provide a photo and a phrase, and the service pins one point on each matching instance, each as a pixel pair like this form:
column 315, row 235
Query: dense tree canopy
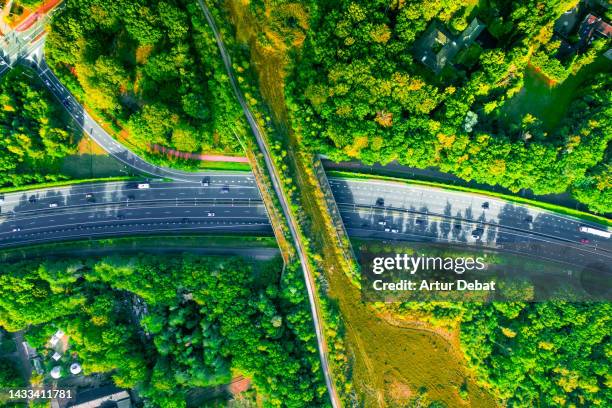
column 201, row 321
column 150, row 67
column 543, row 354
column 33, row 132
column 359, row 91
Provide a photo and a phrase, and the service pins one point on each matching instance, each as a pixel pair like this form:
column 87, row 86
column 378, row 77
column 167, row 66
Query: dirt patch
column 399, row 392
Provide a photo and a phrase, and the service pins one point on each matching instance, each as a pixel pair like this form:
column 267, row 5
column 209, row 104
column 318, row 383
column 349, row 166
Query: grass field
column 227, row 166
column 396, row 361
column 549, row 103
column 90, row 161
column 546, row 206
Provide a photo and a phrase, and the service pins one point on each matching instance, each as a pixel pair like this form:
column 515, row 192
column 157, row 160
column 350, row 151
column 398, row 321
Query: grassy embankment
column 392, row 362
column 547, row 102
column 516, row 199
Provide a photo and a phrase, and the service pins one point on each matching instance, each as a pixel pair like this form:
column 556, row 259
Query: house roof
column 101, row 397
column 595, row 26
column 424, row 47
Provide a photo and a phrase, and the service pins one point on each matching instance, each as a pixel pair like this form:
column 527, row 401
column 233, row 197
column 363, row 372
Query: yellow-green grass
column 521, row 200
column 227, row 166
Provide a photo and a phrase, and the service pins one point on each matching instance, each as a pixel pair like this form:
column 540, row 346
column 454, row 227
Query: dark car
column 529, row 219
column 206, row 181
column 477, row 233
column 225, row 189
column 485, row 205
column 380, row 201
column 32, row 199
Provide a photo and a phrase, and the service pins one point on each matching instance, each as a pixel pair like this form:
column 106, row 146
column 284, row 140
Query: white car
column 382, row 223
column 53, row 205
column 142, row 186
column 211, row 214
column 387, row 229
column 16, row 229
column 394, row 230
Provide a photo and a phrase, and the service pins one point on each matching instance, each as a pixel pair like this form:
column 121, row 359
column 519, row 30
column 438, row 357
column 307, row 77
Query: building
column 593, row 28
column 103, row 397
column 56, row 338
column 437, row 47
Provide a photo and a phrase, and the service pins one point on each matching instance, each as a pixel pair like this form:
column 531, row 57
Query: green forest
column 34, row 131
column 150, row 70
column 163, row 326
column 542, row 354
column 545, row 354
column 357, row 91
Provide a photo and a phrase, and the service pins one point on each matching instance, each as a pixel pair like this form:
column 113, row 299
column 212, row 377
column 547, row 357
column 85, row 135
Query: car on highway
column 387, row 229
column 380, row 202
column 142, row 186
column 225, row 189
column 485, row 205
column 394, row 230
column 90, row 197
column 16, row 229
column 53, row 205
column 206, row 181
column 32, row 199
column 131, row 197
column 457, row 227
column 584, row 241
column 383, row 223
column 211, row 214
column 419, row 221
column 529, row 219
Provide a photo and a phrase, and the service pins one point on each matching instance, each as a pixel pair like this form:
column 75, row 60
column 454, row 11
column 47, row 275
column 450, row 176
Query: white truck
column 595, row 231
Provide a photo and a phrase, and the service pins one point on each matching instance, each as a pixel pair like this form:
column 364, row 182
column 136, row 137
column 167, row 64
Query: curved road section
column 105, row 140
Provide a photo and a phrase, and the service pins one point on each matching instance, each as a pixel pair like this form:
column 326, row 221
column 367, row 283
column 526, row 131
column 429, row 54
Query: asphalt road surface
column 105, row 140
column 397, row 211
column 229, row 204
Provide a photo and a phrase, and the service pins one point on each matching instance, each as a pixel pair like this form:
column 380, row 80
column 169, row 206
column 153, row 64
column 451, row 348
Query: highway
column 229, row 204
column 369, row 208
column 398, row 211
